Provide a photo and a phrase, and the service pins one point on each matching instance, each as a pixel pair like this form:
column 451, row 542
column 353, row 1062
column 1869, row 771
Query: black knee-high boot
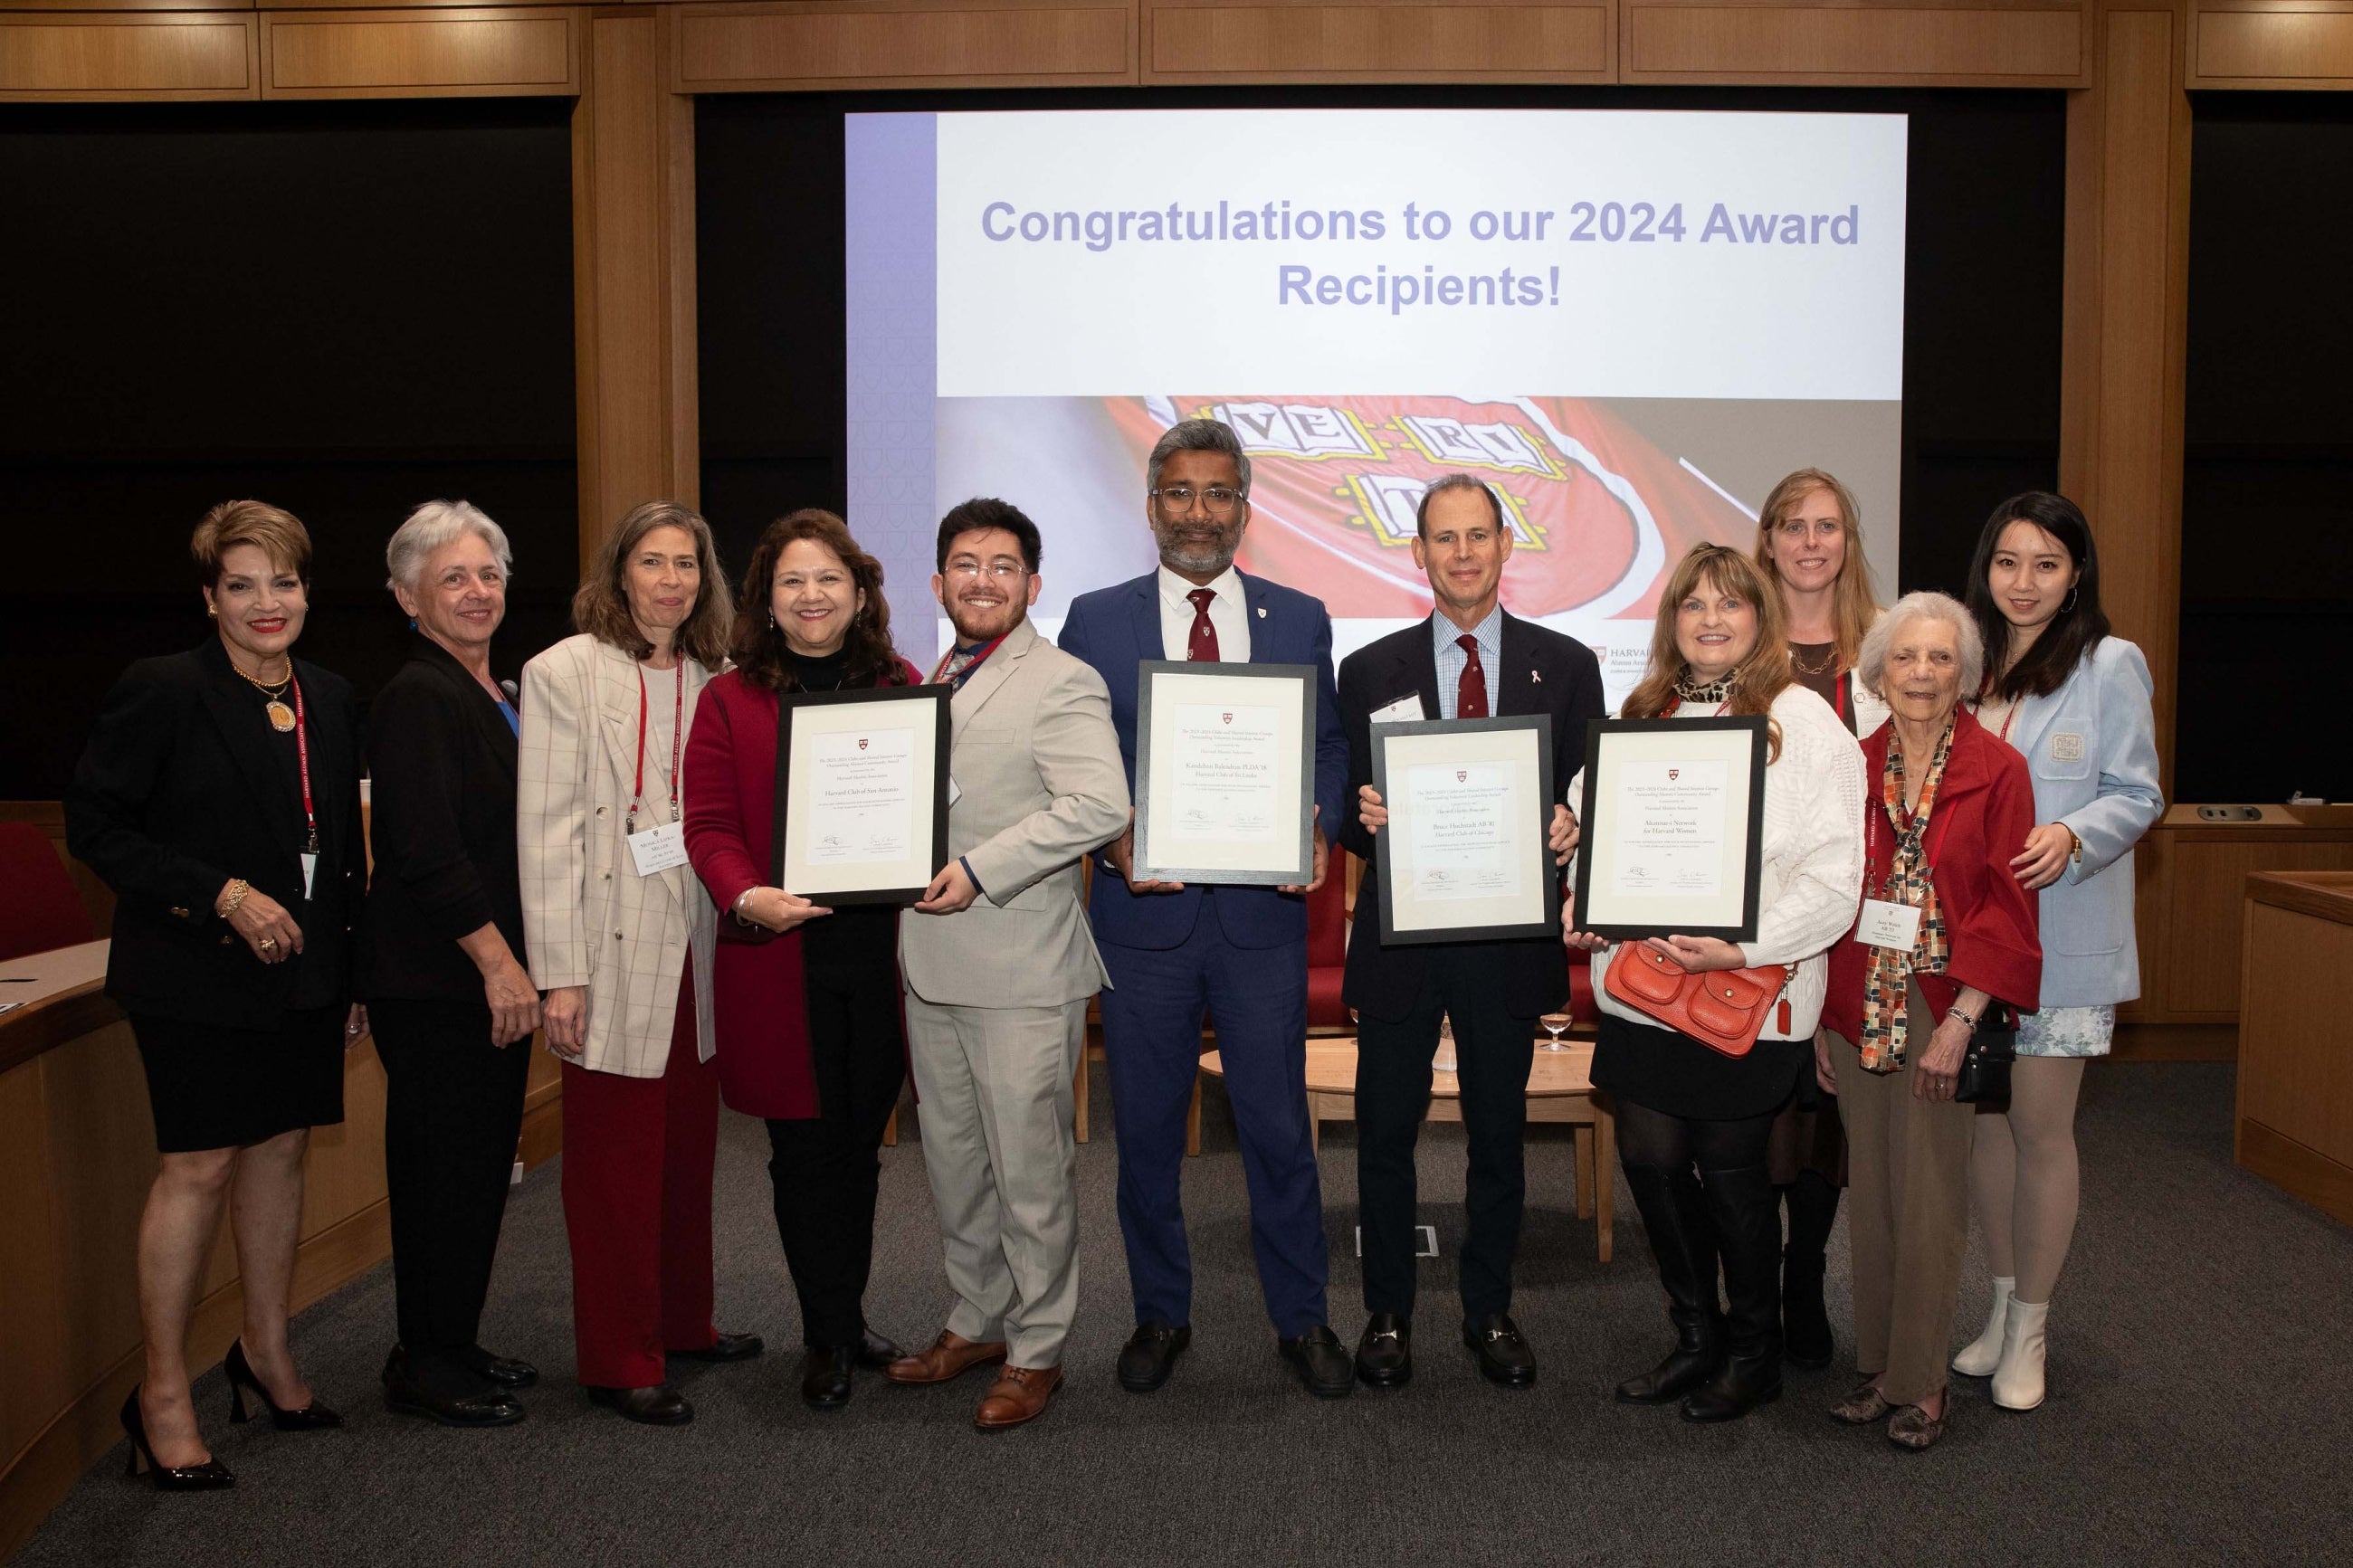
column 1748, row 1234
column 1683, row 1237
column 1805, row 1323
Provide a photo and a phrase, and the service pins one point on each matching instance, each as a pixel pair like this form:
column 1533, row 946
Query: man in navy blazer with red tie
column 1238, row 953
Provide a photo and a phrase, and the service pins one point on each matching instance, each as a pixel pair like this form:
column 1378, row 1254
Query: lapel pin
column 1261, row 612
column 1535, row 680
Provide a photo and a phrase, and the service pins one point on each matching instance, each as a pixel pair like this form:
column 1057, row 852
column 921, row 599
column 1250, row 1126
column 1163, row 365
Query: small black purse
column 1985, row 1069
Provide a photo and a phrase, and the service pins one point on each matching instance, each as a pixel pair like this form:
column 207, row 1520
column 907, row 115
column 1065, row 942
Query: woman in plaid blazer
column 619, row 932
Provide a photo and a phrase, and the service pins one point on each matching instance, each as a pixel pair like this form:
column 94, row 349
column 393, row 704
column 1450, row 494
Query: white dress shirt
column 1229, row 613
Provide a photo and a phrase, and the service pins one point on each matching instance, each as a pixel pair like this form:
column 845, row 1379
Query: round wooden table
column 1560, row 1090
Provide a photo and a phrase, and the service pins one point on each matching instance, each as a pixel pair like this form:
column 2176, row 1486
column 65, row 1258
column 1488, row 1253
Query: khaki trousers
column 1908, row 1213
column 995, row 1100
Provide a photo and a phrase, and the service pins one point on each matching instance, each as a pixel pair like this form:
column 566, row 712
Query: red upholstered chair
column 1582, row 1011
column 42, row 911
column 1327, row 953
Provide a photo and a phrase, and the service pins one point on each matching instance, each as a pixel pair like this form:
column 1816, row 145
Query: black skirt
column 222, row 1089
column 1667, row 1071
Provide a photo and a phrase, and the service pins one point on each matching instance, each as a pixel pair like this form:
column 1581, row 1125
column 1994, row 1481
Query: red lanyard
column 302, row 753
column 987, row 649
column 2008, row 720
column 677, row 728
column 1837, row 682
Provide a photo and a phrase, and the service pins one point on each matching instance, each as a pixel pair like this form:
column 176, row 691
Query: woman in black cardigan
column 219, row 798
column 453, row 1006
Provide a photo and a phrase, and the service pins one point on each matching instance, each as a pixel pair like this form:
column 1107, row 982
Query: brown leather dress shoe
column 1019, row 1395
column 949, row 1357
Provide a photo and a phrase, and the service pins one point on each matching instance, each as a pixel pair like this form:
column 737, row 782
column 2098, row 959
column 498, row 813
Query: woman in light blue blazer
column 2074, row 701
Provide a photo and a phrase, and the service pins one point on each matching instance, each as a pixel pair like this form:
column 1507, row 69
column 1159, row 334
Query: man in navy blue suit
column 1238, row 953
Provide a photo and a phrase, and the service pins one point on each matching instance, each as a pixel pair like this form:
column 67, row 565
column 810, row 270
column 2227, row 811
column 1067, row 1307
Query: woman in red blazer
column 810, row 1034
column 1946, row 932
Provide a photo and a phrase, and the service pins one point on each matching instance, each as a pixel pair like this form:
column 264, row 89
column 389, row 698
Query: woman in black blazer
column 219, row 798
column 437, row 965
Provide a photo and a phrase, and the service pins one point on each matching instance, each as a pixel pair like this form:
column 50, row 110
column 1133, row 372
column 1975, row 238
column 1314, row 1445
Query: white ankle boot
column 2018, row 1382
column 1981, row 1355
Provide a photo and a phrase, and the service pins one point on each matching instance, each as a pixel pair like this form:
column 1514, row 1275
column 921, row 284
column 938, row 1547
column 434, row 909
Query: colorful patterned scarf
column 1910, row 880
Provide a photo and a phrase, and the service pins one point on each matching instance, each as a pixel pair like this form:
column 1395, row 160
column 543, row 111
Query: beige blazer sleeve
column 1075, row 754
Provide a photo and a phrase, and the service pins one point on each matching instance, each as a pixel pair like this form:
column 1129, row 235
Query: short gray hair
column 1872, row 665
column 430, row 527
column 1198, row 435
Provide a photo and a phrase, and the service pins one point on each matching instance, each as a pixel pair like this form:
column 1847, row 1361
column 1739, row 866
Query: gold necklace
column 281, row 717
column 1802, row 667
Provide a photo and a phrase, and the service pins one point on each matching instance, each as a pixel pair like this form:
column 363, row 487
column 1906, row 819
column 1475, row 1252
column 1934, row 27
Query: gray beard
column 1211, row 564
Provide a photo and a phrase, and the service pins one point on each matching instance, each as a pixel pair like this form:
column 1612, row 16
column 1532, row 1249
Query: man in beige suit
column 999, row 964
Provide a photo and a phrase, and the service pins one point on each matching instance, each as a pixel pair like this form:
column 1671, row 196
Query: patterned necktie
column 1471, row 698
column 1201, row 647
column 958, row 662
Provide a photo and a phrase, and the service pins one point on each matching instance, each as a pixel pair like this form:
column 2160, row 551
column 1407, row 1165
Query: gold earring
column 212, row 612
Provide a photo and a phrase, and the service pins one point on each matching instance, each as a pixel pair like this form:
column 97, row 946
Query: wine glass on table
column 1556, row 1025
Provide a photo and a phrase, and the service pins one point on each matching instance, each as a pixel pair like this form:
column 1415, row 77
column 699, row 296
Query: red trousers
column 638, row 1154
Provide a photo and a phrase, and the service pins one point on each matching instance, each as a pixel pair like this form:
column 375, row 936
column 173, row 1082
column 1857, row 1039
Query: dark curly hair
column 760, row 650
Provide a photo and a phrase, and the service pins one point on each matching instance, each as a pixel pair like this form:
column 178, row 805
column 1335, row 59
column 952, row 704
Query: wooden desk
column 1560, row 1090
column 2296, row 1036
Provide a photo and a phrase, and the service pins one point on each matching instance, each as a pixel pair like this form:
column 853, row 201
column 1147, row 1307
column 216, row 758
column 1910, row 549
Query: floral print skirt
column 2066, row 1031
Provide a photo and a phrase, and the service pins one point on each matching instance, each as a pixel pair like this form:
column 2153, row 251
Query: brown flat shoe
column 1020, row 1394
column 949, row 1357
column 1863, row 1407
column 1915, row 1430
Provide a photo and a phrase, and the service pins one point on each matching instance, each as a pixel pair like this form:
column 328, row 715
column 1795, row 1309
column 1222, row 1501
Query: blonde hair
column 1757, row 680
column 276, row 534
column 1854, row 602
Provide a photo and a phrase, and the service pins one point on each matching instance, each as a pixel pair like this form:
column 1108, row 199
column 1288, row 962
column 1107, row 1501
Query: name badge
column 659, row 848
column 310, row 870
column 1883, row 924
column 1404, row 711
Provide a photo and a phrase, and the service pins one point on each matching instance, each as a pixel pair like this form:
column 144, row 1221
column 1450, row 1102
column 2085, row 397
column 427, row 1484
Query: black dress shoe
column 726, row 1347
column 311, row 1417
column 1322, row 1362
column 1503, row 1351
column 660, row 1406
column 1745, row 1383
column 1150, row 1352
column 1385, row 1353
column 501, row 1370
column 403, row 1395
column 876, row 1352
column 825, row 1376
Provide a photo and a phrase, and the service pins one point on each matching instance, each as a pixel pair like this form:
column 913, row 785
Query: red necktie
column 1471, row 698
column 1201, row 647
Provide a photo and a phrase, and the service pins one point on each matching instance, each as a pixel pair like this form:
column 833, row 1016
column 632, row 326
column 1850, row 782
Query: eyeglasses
column 1220, row 499
column 1003, row 571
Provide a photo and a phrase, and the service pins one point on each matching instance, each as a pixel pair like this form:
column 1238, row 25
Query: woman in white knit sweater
column 1693, row 1123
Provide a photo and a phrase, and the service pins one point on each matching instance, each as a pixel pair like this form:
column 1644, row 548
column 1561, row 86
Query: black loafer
column 1385, row 1353
column 825, row 1376
column 403, row 1395
column 503, row 1371
column 1322, row 1362
column 1503, row 1351
column 876, row 1352
column 660, row 1406
column 1151, row 1351
column 726, row 1347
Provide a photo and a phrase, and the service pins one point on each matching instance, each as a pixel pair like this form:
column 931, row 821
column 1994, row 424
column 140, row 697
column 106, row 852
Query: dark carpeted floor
column 2201, row 1408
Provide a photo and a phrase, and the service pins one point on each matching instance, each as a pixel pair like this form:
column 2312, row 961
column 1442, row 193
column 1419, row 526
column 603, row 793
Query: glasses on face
column 1220, row 499
column 1002, row 571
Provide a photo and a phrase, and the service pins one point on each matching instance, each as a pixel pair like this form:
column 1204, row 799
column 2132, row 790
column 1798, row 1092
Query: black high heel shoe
column 312, row 1417
column 210, row 1476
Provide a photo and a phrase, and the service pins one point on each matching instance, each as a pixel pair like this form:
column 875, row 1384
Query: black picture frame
column 792, row 704
column 1538, row 728
column 1592, row 824
column 1291, row 678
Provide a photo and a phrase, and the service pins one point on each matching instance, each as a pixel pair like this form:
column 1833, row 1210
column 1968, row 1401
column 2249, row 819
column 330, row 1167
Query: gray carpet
column 2201, row 1408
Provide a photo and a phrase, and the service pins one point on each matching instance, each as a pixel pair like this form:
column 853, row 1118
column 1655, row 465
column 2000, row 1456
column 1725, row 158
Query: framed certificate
column 1225, row 773
column 862, row 794
column 1464, row 857
column 1672, row 823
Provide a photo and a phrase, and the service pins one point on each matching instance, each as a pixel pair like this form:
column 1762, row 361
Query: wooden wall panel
column 1407, row 40
column 829, row 44
column 2272, row 44
column 159, row 56
column 1988, row 45
column 469, row 53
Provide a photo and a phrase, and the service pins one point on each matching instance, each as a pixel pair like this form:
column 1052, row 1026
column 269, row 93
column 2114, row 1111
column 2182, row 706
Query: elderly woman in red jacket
column 807, row 999
column 1946, row 932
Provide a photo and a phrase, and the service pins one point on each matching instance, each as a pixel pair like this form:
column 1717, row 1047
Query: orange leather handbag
column 1723, row 1009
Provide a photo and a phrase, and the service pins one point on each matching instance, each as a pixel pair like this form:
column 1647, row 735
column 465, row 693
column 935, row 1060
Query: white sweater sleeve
column 1813, row 837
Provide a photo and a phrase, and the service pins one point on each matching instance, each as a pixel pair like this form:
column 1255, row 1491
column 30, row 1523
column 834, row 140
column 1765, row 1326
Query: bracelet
column 1964, row 1016
column 237, row 888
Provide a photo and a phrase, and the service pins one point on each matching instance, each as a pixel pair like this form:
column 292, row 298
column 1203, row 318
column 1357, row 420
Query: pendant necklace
column 281, row 717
